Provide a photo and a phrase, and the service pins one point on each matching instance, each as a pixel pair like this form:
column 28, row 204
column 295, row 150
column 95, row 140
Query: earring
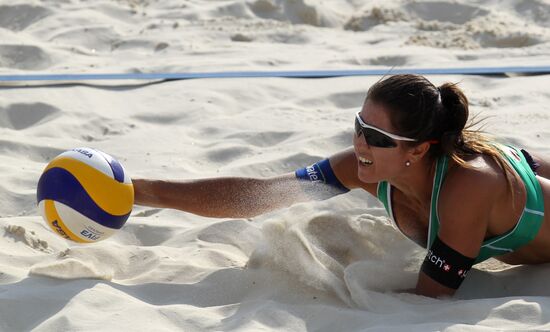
column 408, row 163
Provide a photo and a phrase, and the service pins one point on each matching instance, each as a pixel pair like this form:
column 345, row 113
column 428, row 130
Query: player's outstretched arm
column 230, row 197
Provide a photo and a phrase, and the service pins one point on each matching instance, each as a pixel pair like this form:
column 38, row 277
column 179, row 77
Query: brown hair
column 425, row 112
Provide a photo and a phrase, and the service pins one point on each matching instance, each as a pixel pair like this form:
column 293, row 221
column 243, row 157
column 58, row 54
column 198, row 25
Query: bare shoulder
column 466, row 200
column 481, row 176
column 344, row 165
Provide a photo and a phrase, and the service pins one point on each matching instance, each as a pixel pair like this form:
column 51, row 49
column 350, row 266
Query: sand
column 336, row 265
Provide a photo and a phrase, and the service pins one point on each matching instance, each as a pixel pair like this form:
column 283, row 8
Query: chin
column 366, row 176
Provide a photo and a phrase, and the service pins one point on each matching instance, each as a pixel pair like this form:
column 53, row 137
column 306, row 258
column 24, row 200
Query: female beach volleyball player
column 448, row 188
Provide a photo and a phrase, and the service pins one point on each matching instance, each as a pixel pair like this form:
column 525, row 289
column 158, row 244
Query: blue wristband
column 321, row 172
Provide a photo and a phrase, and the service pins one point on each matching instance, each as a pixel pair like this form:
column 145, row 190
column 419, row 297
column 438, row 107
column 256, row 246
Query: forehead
column 376, row 115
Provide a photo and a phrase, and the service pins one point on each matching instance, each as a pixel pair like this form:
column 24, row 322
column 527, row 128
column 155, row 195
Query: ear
column 417, row 152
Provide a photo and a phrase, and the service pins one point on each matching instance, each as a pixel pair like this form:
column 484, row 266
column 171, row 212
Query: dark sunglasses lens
column 376, row 138
column 373, row 137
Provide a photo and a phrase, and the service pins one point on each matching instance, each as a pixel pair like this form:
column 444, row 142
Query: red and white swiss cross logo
column 446, row 267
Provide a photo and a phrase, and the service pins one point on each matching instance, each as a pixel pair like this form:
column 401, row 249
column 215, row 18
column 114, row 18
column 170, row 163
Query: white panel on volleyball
column 42, row 209
column 110, row 159
column 127, row 178
column 78, row 222
column 90, row 157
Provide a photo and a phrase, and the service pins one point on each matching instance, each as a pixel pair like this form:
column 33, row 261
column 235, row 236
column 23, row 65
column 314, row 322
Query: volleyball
column 85, row 195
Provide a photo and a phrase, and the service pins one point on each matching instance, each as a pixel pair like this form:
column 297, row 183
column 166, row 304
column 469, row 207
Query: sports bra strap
column 440, row 171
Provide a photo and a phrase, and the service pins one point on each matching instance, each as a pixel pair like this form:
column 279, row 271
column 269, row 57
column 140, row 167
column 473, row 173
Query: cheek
column 386, row 166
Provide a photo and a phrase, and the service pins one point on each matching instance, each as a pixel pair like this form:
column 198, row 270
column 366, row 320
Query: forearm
column 220, row 197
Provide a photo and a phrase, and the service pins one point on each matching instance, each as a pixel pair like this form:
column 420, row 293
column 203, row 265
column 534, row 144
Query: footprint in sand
column 20, row 116
column 26, row 57
column 19, row 17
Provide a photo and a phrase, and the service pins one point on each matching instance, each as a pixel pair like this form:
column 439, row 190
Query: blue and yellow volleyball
column 85, row 195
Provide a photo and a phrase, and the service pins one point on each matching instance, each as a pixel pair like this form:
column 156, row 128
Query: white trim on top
column 539, row 213
column 498, row 248
column 501, row 237
column 431, row 207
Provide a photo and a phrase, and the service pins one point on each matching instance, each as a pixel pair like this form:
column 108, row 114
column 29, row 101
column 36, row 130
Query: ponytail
column 454, row 109
column 460, row 140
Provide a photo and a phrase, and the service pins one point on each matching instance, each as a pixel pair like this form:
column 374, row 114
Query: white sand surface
column 335, row 265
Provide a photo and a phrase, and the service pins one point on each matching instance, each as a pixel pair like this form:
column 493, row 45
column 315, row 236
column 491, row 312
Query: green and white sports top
column 527, row 226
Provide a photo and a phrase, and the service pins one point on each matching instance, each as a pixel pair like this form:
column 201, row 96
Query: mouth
column 364, row 161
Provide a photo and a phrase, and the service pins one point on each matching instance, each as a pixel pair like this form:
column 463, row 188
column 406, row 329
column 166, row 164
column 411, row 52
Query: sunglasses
column 375, row 136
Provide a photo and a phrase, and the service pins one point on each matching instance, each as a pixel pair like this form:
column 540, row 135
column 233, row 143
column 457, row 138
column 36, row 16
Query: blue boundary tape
column 289, row 74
